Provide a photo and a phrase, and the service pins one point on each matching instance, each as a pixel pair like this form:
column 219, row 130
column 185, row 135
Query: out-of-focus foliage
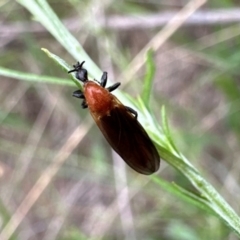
column 196, row 78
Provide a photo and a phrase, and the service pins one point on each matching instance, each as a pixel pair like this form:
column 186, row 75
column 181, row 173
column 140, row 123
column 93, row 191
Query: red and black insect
column 117, row 122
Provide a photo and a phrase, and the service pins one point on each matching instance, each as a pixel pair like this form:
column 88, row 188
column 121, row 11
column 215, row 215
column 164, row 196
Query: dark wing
column 129, row 139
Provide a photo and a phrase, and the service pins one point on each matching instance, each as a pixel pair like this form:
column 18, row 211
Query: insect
column 117, row 122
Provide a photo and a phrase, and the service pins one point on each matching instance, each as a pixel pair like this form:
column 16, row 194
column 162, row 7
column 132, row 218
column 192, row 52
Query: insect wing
column 129, row 139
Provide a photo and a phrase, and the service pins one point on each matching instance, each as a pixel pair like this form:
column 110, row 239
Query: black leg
column 84, row 104
column 113, row 87
column 104, row 79
column 78, row 94
column 132, row 111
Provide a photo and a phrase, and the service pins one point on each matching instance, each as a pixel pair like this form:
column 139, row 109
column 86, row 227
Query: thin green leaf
column 166, row 129
column 184, row 194
column 46, row 16
column 33, row 78
column 148, row 80
column 63, row 64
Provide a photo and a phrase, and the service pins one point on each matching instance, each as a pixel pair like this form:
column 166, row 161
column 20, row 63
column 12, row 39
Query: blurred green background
column 95, row 195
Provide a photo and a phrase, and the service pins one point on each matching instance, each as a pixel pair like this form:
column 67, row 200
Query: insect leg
column 103, row 81
column 132, row 111
column 84, row 104
column 78, row 94
column 114, row 86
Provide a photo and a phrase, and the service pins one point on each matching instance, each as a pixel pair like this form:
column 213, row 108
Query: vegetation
column 60, row 179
